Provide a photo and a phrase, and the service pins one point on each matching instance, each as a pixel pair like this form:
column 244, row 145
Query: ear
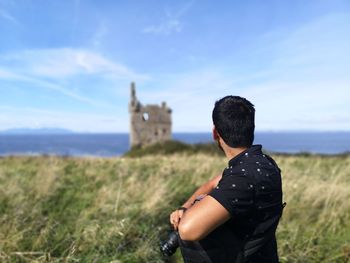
column 215, row 134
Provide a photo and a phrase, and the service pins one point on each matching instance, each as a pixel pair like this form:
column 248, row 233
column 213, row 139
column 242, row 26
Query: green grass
column 114, row 210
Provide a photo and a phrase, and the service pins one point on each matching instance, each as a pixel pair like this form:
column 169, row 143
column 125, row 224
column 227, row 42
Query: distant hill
column 36, row 131
column 172, row 147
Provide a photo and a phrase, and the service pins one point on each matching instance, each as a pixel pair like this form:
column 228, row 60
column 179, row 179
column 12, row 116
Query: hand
column 175, row 218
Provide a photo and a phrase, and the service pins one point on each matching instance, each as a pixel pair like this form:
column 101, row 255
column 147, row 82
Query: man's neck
column 233, row 152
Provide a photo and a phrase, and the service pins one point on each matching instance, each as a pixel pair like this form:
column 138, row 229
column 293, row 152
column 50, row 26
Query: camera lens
column 169, row 246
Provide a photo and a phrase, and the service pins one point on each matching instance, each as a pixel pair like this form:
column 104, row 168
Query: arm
column 176, row 215
column 203, row 190
column 202, row 218
column 233, row 198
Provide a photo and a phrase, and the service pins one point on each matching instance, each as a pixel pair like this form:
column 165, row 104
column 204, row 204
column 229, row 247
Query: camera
column 169, row 246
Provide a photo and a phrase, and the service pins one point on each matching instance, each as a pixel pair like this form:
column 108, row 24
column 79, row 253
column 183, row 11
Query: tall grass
column 114, row 210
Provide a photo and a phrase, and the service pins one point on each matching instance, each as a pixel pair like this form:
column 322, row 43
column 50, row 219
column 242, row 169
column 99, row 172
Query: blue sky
column 69, row 64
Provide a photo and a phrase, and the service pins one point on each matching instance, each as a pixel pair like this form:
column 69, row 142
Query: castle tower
column 149, row 123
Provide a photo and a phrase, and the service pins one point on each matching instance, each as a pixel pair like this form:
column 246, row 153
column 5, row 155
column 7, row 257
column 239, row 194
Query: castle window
column 145, row 116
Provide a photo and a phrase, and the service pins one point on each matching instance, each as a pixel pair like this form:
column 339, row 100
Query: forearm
column 202, row 190
column 201, row 219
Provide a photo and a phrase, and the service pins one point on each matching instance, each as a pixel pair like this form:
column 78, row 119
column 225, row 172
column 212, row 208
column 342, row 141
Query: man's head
column 233, row 118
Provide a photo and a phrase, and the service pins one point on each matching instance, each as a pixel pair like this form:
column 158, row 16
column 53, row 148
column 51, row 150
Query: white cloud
column 166, row 28
column 99, row 35
column 281, row 105
column 5, row 15
column 66, row 62
column 300, row 105
column 191, row 96
column 5, row 74
column 54, row 69
column 303, row 84
column 52, row 86
column 172, row 23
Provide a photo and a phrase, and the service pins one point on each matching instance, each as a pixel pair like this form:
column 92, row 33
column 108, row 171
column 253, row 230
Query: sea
column 110, row 145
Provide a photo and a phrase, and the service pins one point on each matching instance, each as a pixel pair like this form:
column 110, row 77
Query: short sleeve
column 235, row 193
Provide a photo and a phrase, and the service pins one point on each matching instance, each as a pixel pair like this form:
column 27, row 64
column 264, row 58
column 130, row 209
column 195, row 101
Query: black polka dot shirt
column 251, row 191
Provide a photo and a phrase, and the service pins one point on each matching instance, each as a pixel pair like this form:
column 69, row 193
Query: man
column 237, row 212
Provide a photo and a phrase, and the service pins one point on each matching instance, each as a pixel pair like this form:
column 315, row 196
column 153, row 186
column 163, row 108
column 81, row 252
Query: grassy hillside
column 114, row 210
column 172, row 147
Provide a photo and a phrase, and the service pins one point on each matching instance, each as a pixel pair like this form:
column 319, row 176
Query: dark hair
column 233, row 117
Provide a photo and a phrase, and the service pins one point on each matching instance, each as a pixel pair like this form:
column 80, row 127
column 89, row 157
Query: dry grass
column 114, row 210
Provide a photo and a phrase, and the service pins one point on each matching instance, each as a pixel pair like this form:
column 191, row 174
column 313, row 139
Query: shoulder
column 235, row 176
column 260, row 167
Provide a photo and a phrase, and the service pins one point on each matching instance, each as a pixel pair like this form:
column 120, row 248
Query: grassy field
column 114, row 210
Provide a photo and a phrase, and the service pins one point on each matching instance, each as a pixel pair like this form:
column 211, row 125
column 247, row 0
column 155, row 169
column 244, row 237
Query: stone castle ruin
column 148, row 123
